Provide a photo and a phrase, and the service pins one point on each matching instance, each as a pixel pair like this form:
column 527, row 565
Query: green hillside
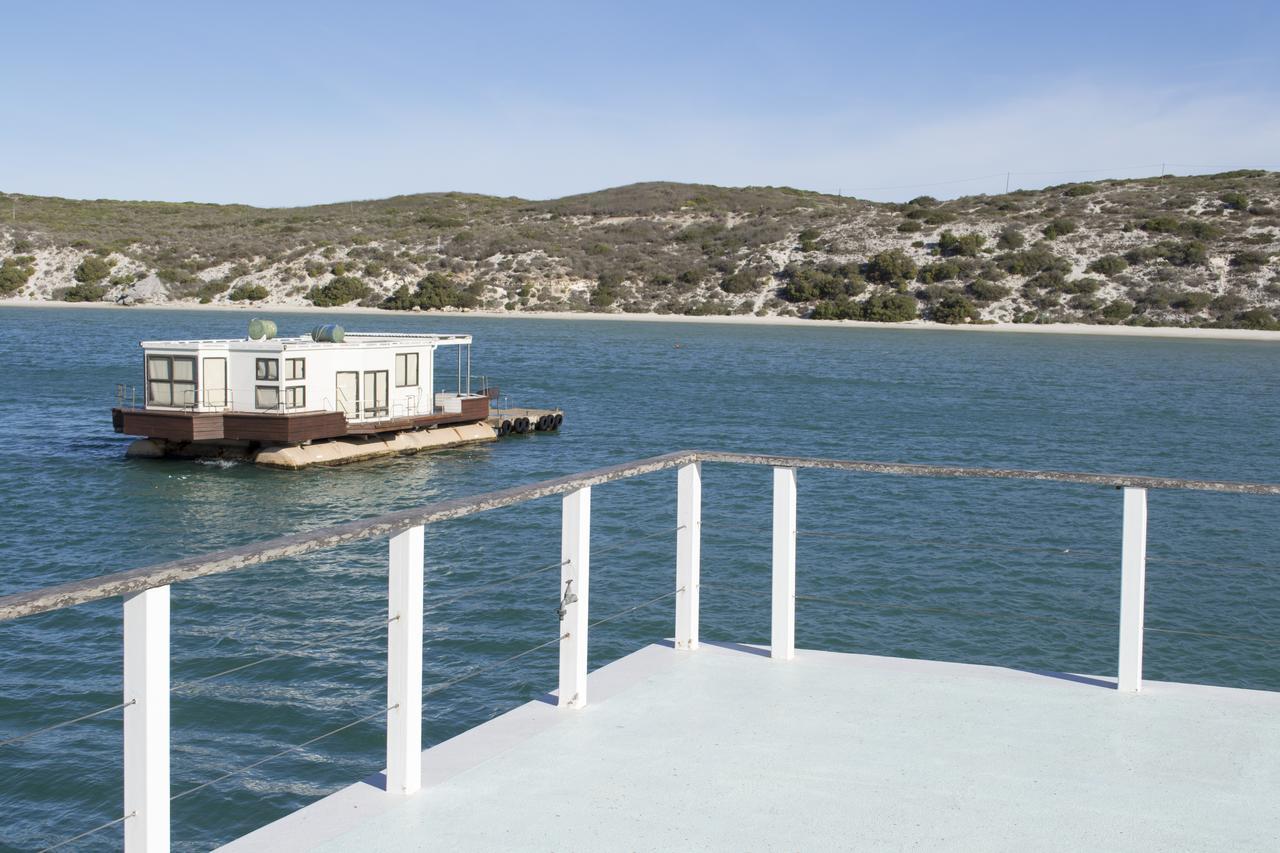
column 1198, row 251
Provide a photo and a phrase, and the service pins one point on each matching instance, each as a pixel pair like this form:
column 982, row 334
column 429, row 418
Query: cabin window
column 295, row 368
column 268, row 370
column 295, row 397
column 171, row 380
column 406, row 369
column 266, row 397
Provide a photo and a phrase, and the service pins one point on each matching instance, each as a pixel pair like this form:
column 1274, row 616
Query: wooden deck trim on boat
column 277, row 427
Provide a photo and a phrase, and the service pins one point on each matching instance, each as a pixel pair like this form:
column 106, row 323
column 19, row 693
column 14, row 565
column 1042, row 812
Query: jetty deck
column 697, row 745
column 724, row 748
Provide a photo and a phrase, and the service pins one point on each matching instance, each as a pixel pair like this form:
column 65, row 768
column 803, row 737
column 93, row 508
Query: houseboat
column 325, row 398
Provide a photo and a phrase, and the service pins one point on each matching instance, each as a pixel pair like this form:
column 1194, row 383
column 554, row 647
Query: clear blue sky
column 296, row 103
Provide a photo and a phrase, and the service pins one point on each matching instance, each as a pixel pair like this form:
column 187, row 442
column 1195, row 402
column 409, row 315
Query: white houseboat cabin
column 265, row 390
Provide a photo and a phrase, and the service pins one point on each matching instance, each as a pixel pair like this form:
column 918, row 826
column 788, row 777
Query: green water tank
column 330, row 333
column 261, row 330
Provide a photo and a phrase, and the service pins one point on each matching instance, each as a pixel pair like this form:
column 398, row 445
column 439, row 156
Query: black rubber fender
column 522, row 425
column 504, row 428
column 556, row 420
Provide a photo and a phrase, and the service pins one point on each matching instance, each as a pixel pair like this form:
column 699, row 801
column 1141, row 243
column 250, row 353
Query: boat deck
column 279, row 427
column 724, row 748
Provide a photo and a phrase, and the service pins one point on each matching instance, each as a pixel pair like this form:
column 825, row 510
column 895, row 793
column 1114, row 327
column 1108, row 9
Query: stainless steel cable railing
column 145, row 591
column 64, row 842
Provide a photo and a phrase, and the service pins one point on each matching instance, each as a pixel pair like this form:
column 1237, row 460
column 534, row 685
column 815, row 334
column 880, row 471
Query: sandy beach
column 747, row 320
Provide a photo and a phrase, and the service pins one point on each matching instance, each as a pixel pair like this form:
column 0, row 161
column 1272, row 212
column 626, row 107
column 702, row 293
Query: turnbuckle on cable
column 569, row 598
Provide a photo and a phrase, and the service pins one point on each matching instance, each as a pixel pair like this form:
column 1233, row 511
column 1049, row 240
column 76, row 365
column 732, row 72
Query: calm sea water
column 936, row 569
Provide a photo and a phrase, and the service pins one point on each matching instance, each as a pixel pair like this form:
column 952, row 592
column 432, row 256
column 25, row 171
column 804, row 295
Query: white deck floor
column 725, row 749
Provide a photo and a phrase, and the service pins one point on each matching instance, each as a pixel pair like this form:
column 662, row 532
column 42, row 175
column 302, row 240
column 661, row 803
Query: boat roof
column 351, row 340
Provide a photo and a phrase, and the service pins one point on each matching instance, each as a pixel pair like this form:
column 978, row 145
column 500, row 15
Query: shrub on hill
column 401, row 299
column 1059, row 227
column 1234, row 200
column 968, row 245
column 1249, row 260
column 1171, row 225
column 983, row 291
column 1084, row 284
column 743, row 281
column 891, row 266
column 842, row 308
column 939, row 271
column 206, row 292
column 691, row 277
column 929, row 216
column 605, row 292
column 953, row 309
column 1108, row 265
column 808, row 239
column 708, row 308
column 92, row 270
column 1257, row 318
column 1160, row 225
column 15, row 272
column 889, row 308
column 1155, row 297
column 1085, row 302
column 250, row 292
column 1010, row 239
column 1038, row 258
column 1076, row 190
column 1192, row 302
column 935, row 293
column 341, row 290
column 1117, row 311
column 1187, row 253
column 176, row 275
column 1200, row 230
column 85, row 292
column 829, row 280
column 1226, row 304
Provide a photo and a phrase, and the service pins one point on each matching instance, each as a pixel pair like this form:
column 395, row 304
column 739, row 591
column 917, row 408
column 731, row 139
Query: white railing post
column 146, row 721
column 1133, row 584
column 404, row 662
column 688, row 553
column 783, row 643
column 575, row 559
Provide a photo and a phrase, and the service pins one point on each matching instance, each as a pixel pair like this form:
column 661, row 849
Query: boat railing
column 145, row 594
column 130, row 396
column 215, row 399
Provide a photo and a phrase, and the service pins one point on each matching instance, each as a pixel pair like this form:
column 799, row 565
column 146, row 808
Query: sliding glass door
column 375, row 393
